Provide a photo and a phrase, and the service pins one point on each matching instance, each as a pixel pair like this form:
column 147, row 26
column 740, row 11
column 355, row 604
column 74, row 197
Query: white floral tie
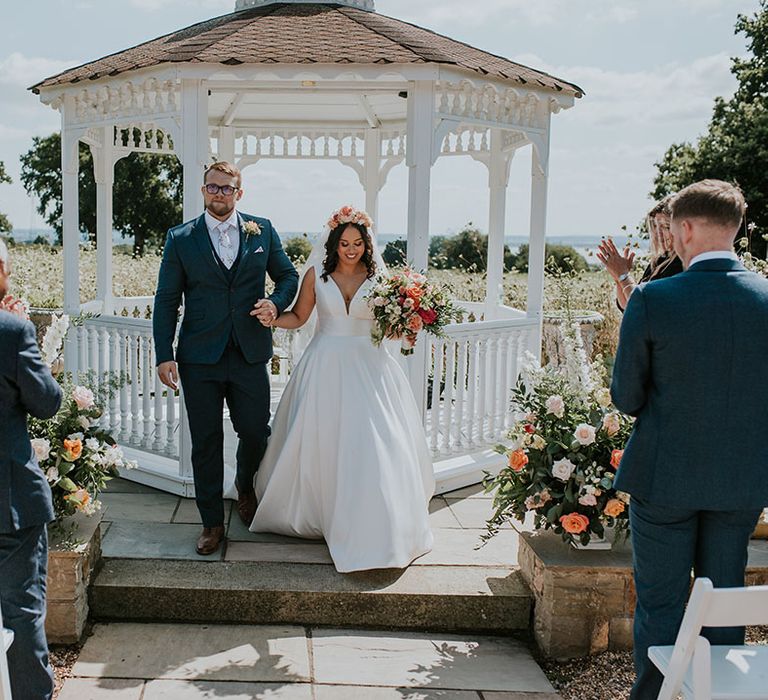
column 226, row 250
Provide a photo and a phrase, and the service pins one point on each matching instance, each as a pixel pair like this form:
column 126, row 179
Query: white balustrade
column 472, row 371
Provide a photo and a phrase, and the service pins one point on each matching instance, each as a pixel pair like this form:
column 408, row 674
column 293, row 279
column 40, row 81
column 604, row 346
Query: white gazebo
column 297, row 80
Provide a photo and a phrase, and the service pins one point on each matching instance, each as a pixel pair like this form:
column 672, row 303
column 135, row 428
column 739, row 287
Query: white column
column 104, row 174
column 194, row 158
column 537, row 240
column 418, row 158
column 194, row 143
column 70, row 221
column 498, row 179
column 227, row 143
column 372, row 173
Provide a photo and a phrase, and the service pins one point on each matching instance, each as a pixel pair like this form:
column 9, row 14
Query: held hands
column 615, row 262
column 169, row 374
column 265, row 311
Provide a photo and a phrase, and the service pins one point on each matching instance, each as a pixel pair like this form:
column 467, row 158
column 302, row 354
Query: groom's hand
column 169, row 374
column 265, row 311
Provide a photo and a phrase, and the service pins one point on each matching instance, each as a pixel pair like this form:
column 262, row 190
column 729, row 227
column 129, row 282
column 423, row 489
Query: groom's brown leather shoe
column 210, row 539
column 246, row 507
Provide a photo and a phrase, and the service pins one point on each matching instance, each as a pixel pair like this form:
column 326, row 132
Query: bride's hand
column 265, row 311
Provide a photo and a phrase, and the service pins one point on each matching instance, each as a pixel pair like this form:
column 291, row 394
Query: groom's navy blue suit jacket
column 26, row 387
column 217, row 308
column 692, row 366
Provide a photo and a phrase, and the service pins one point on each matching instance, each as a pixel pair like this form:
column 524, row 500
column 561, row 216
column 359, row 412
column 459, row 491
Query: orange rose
column 517, row 461
column 574, row 523
column 80, row 497
column 616, row 456
column 74, row 448
column 415, row 323
column 614, row 508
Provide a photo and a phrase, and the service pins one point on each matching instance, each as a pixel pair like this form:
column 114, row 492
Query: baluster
column 493, row 385
column 443, row 98
column 450, row 373
column 313, row 146
column 170, row 424
column 272, row 144
column 81, row 333
column 482, row 389
column 504, row 382
column 326, row 146
column 114, row 364
column 437, row 377
column 299, row 146
column 471, row 389
column 124, row 351
column 133, row 340
column 158, row 443
column 461, row 381
column 146, row 390
column 339, row 146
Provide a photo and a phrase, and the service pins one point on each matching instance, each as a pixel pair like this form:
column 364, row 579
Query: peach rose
column 81, row 498
column 574, row 523
column 616, row 456
column 588, row 499
column 614, row 508
column 517, row 461
column 556, row 406
column 73, row 449
column 415, row 323
column 584, row 434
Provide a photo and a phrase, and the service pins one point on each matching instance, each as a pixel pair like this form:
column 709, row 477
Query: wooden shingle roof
column 307, row 33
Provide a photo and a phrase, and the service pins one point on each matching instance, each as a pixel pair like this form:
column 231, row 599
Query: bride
column 347, row 460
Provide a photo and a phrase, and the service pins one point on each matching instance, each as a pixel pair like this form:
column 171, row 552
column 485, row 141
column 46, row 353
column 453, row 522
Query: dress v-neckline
column 343, row 298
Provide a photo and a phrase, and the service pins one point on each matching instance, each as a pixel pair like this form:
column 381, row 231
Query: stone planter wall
column 552, row 334
column 69, row 574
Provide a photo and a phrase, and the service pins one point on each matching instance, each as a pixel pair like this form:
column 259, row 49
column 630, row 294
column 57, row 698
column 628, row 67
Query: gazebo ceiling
column 308, row 33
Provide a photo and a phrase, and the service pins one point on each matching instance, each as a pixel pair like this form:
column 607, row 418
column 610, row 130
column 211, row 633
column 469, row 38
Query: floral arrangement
column 349, row 215
column 404, row 303
column 566, row 447
column 76, row 455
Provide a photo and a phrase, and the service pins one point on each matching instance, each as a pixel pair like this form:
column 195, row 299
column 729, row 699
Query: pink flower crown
column 349, row 215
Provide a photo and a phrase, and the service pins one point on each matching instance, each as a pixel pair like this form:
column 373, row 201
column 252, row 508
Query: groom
column 691, row 366
column 218, row 264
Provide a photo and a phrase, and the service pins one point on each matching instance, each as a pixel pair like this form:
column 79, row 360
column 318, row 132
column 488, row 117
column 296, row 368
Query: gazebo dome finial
column 359, row 4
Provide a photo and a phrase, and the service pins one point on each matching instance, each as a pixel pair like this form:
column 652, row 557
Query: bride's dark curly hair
column 332, row 251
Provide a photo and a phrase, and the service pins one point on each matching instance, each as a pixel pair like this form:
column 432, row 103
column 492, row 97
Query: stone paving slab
column 440, row 515
column 290, row 553
column 219, row 690
column 419, row 660
column 340, row 692
column 472, row 512
column 474, row 492
column 125, row 486
column 187, row 512
column 139, row 507
column 102, row 689
column 199, row 652
column 454, row 547
column 135, row 540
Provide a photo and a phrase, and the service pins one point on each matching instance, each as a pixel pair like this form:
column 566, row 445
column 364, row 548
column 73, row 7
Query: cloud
column 157, row 5
column 22, row 71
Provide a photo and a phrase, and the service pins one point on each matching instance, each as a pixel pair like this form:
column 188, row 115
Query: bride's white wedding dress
column 347, row 460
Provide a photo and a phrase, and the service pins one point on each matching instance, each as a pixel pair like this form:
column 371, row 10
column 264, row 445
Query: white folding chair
column 6, row 639
column 704, row 672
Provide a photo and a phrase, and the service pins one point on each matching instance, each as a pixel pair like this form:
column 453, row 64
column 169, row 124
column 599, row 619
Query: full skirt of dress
column 348, row 460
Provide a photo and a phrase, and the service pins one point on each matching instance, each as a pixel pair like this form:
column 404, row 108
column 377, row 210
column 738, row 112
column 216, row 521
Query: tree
column 560, row 258
column 735, row 146
column 298, row 249
column 5, row 224
column 394, row 253
column 147, row 193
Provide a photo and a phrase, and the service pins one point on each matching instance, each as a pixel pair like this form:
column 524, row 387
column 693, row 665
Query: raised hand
column 615, row 262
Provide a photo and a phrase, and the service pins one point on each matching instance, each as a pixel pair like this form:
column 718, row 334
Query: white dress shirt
column 714, row 255
column 215, row 226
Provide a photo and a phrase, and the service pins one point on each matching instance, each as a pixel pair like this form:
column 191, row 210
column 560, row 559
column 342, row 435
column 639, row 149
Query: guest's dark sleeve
column 171, row 281
column 632, row 369
column 39, row 392
column 283, row 274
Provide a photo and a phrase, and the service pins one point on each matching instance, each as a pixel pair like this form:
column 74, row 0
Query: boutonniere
column 251, row 228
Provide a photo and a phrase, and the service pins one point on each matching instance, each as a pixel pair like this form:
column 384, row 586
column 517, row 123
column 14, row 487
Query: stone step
column 446, row 598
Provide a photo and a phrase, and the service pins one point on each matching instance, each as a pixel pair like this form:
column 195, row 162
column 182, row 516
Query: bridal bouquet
column 404, row 303
column 566, row 447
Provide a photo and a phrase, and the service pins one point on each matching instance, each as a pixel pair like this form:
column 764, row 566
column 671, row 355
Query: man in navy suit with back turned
column 26, row 387
column 691, row 366
column 218, row 263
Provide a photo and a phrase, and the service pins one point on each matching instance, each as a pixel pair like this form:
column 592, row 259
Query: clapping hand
column 14, row 306
column 615, row 262
column 265, row 311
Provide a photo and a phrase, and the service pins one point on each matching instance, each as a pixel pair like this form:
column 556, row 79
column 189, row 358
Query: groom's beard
column 221, row 210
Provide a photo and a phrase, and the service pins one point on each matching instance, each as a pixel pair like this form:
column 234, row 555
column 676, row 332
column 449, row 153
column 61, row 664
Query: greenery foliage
column 5, row 224
column 298, row 249
column 147, row 194
column 735, row 146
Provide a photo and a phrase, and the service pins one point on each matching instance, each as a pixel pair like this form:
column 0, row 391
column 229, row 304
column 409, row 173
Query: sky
column 650, row 69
